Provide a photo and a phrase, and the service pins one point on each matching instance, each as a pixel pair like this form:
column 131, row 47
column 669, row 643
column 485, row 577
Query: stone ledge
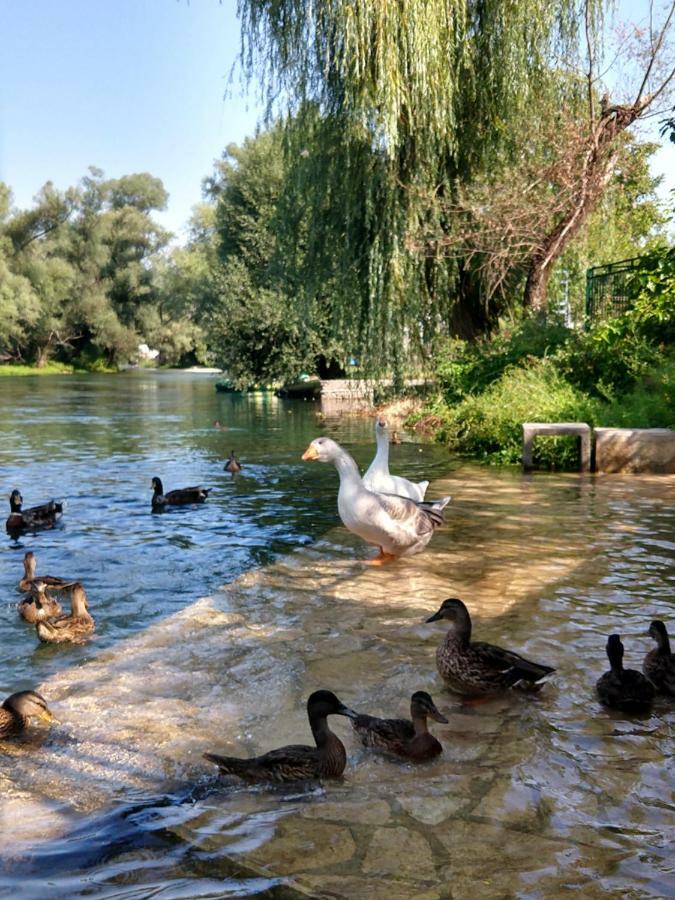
column 635, row 450
column 580, row 429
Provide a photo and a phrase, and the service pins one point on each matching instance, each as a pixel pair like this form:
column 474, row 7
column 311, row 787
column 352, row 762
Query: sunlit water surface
column 533, row 796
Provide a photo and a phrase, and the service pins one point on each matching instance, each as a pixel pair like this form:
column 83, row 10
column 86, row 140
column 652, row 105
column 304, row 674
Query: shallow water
column 533, row 796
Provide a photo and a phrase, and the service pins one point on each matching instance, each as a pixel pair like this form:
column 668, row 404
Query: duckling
column 396, row 439
column 29, row 578
column 233, row 465
column 19, row 708
column 40, row 605
column 378, row 478
column 74, row 628
column 397, row 525
column 401, row 737
column 297, row 762
column 621, row 688
column 659, row 664
column 44, row 516
column 476, row 668
column 178, row 497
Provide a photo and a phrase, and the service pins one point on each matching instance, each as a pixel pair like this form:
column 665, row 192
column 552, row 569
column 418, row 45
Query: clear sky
column 131, row 86
column 125, row 85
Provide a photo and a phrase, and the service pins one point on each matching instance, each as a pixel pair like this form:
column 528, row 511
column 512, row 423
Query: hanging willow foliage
column 387, row 100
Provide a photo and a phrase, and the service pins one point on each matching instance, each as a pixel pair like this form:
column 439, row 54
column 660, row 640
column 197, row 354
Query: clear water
column 533, row 796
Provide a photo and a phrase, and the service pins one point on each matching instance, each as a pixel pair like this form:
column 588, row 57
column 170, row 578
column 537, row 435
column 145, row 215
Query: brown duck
column 39, row 605
column 19, row 708
column 659, row 664
column 297, row 762
column 27, row 583
column 474, row 668
column 74, row 628
column 177, row 497
column 232, row 465
column 409, row 739
column 620, row 688
column 19, row 520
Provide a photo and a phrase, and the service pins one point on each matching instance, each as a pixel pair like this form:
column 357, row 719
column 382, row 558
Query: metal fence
column 607, row 288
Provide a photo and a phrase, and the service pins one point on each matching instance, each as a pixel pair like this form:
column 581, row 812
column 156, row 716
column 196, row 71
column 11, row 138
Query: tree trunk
column 598, row 163
column 42, row 357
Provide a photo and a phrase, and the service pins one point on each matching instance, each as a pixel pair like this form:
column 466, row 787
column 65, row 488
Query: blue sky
column 125, row 85
column 130, row 86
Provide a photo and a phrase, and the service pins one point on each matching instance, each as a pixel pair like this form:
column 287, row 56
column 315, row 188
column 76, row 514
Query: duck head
column 454, row 610
column 29, row 704
column 29, row 564
column 322, row 449
column 657, row 630
column 157, row 486
column 614, row 650
column 422, row 706
column 15, row 501
column 324, row 703
column 79, row 603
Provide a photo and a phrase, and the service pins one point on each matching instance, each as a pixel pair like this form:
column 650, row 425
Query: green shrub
column 489, row 425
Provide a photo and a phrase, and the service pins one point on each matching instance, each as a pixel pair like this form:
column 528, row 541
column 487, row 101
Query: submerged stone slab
column 635, row 450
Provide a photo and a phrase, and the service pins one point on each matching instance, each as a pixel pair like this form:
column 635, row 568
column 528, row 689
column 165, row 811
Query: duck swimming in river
column 177, row 497
column 474, row 668
column 39, row 605
column 18, row 709
column 29, row 579
column 74, row 628
column 409, row 739
column 397, row 525
column 297, row 762
column 377, row 477
column 232, row 465
column 659, row 664
column 620, row 688
column 36, row 517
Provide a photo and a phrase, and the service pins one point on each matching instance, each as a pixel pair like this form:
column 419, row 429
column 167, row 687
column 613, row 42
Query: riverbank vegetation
column 425, row 195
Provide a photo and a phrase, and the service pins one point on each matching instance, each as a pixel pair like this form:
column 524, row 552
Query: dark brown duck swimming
column 19, row 708
column 620, row 688
column 232, row 465
column 177, row 497
column 29, row 579
column 659, row 664
column 37, row 517
column 409, row 739
column 474, row 668
column 39, row 605
column 297, row 762
column 75, row 628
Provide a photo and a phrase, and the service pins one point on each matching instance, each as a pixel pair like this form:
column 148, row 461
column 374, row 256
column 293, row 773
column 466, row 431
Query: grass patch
column 50, row 368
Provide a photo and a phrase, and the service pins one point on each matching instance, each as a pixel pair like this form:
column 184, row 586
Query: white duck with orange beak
column 397, row 525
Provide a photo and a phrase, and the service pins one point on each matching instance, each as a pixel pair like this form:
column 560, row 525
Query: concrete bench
column 558, row 429
column 636, row 450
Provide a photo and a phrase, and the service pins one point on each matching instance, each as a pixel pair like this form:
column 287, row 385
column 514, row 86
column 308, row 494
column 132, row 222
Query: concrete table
column 557, row 429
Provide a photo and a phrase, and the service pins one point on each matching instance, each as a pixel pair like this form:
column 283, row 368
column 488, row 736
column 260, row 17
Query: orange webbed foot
column 381, row 559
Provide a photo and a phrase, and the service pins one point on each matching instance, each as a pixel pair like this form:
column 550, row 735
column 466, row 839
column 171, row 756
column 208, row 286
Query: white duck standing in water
column 378, row 478
column 397, row 525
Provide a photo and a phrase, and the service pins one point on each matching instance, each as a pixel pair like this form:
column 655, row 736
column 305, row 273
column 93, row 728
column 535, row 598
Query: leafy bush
column 489, row 425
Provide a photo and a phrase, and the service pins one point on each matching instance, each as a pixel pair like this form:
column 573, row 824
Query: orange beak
column 310, row 453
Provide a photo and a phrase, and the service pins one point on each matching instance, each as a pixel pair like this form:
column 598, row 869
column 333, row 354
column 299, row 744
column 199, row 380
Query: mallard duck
column 377, row 477
column 621, row 688
column 75, row 627
column 297, row 762
column 27, row 583
column 44, row 516
column 397, row 525
column 233, row 465
column 474, row 668
column 19, row 708
column 40, row 605
column 178, row 497
column 659, row 664
column 410, row 739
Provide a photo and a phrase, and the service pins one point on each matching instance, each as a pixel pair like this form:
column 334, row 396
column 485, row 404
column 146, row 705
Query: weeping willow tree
column 386, row 101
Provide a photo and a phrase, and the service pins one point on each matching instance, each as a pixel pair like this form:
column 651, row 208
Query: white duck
column 377, row 478
column 397, row 525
